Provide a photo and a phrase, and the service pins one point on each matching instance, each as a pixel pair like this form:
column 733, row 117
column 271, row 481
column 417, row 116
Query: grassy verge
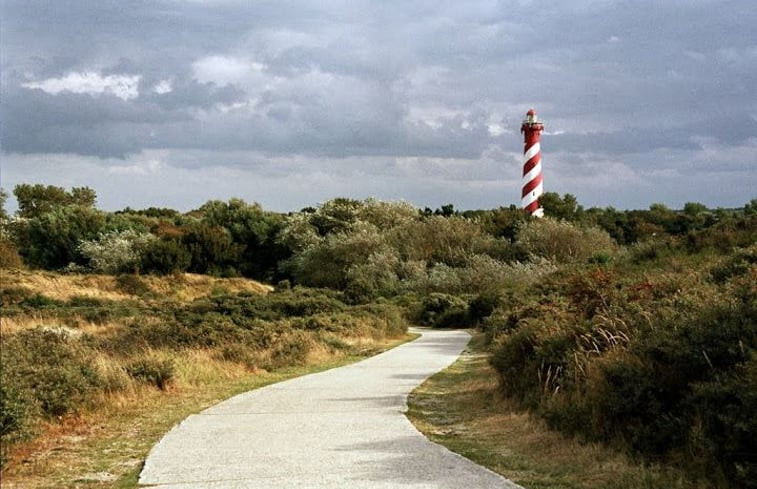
column 106, row 447
column 462, row 409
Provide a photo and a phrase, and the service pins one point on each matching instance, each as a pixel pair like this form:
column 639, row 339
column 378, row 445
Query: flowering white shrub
column 116, row 251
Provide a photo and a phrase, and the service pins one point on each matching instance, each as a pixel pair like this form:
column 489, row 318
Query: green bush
column 212, row 249
column 165, row 256
column 152, row 370
column 443, row 311
column 54, row 366
column 289, row 350
column 651, row 250
column 116, row 251
column 726, row 427
column 564, row 242
column 737, row 264
column 18, row 409
column 51, row 240
column 482, row 306
column 664, row 368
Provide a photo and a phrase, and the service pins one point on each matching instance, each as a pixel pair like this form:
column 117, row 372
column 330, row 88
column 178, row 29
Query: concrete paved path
column 343, row 428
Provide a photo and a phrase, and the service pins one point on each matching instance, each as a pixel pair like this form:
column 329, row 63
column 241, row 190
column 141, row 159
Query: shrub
column 482, row 306
column 726, row 425
column 737, row 264
column 662, row 369
column 165, row 256
column 51, row 240
column 212, row 249
column 18, row 409
column 650, row 250
column 116, row 251
column 152, row 370
column 443, row 310
column 377, row 276
column 437, row 239
column 513, row 357
column 327, row 263
column 563, row 242
column 51, row 364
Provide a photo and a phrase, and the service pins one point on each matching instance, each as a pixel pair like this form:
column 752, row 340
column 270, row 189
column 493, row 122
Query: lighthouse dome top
column 531, row 117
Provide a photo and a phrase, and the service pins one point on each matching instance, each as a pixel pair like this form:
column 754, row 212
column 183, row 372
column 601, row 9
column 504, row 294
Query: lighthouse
column 532, row 177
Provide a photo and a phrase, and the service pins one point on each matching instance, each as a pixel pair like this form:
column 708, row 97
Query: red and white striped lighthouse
column 532, row 178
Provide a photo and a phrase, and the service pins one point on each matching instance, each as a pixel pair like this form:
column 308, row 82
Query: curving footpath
column 342, row 428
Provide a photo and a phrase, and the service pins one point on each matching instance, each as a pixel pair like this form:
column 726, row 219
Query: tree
column 566, row 207
column 3, row 200
column 51, row 240
column 116, row 251
column 254, row 230
column 211, row 248
column 694, row 208
column 165, row 256
column 36, row 200
column 447, row 210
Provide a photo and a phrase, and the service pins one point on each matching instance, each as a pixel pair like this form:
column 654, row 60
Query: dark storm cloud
column 358, row 80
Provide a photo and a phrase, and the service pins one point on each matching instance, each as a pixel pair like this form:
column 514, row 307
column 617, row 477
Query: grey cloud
column 622, row 81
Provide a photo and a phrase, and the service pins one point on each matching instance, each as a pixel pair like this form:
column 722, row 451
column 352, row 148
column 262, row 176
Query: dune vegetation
column 629, row 330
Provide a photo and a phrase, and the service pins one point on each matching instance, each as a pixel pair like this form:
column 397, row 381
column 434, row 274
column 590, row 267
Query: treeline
column 636, row 328
column 369, row 247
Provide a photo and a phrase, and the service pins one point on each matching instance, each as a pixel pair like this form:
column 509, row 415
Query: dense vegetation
column 636, row 328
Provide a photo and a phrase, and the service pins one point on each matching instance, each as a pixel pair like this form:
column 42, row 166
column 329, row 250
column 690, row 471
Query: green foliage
column 443, row 311
column 641, row 362
column 51, row 365
column 3, row 200
column 165, row 256
column 737, row 264
column 212, row 249
column 116, row 251
column 18, row 408
column 152, row 370
column 51, row 240
column 378, row 275
column 564, row 242
column 482, row 306
column 36, row 200
column 327, row 263
column 253, row 233
column 565, row 208
column 156, row 212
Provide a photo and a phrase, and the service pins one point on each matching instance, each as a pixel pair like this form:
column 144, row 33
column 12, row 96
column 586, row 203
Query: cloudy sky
column 290, row 103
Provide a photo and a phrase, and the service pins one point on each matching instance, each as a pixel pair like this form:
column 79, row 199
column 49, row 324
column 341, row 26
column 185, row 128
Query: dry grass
column 462, row 409
column 182, row 286
column 14, row 324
